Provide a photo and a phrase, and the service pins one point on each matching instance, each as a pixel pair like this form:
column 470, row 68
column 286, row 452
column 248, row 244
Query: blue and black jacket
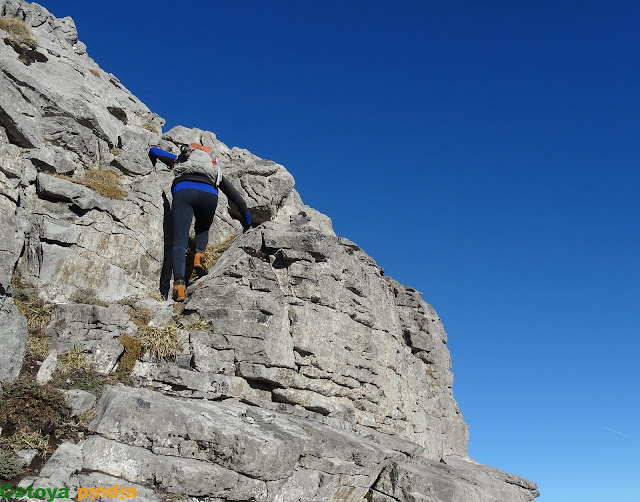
column 200, row 182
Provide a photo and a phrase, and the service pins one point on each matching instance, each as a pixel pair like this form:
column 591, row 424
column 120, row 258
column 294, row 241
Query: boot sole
column 200, row 270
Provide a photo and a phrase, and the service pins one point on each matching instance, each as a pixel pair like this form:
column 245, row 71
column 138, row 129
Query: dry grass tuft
column 18, row 30
column 198, row 325
column 72, row 360
column 140, row 317
column 214, row 252
column 175, row 497
column 88, row 298
column 150, row 127
column 430, row 373
column 37, row 314
column 28, row 440
column 106, row 183
column 162, row 342
column 36, row 311
column 37, row 347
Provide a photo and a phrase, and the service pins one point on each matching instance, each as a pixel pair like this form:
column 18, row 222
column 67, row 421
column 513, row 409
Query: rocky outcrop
column 310, row 321
column 298, row 370
column 235, row 451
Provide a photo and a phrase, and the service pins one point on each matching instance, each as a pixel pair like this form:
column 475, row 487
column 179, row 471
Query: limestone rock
column 454, row 479
column 27, row 456
column 208, row 440
column 296, row 310
column 94, row 329
column 13, row 339
column 49, row 365
column 79, row 401
column 13, row 334
column 67, row 458
column 258, row 454
column 60, row 470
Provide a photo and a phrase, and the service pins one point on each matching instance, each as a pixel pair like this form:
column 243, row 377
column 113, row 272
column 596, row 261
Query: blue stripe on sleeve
column 162, row 155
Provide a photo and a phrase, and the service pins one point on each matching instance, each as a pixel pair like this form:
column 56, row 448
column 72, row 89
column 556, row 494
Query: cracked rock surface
column 301, row 372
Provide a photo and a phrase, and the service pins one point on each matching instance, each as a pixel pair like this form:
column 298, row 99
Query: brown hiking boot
column 200, row 264
column 179, row 291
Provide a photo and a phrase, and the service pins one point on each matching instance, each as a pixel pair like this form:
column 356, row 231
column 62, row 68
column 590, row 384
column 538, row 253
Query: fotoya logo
column 8, row 492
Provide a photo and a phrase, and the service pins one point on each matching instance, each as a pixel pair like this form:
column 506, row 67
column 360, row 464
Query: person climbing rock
column 195, row 193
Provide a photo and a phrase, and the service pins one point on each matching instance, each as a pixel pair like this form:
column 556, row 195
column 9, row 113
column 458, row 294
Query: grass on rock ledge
column 18, row 31
column 106, row 183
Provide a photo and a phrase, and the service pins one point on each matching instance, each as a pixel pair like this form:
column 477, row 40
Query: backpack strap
column 201, row 147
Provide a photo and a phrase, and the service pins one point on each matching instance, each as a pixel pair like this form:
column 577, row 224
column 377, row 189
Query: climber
column 195, row 193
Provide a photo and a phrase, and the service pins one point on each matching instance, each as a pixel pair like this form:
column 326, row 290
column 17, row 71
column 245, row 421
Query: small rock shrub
column 10, row 466
column 88, row 380
column 31, row 416
column 132, row 350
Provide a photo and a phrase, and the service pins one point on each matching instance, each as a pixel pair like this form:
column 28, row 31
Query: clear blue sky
column 485, row 153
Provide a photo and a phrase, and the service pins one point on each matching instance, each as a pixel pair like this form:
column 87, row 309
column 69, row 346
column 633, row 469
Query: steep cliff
column 295, row 371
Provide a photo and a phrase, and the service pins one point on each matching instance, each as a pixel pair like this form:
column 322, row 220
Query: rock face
column 301, row 372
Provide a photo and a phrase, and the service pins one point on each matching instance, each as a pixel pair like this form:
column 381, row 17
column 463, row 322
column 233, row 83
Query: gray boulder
column 48, row 368
column 451, row 480
column 79, row 401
